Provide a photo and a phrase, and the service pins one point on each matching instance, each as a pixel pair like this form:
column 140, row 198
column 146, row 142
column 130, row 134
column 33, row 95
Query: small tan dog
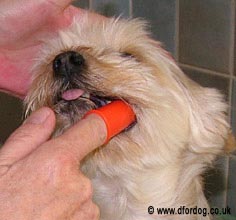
column 181, row 126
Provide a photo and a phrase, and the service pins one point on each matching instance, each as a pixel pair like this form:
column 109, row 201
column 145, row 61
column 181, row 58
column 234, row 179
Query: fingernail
column 38, row 117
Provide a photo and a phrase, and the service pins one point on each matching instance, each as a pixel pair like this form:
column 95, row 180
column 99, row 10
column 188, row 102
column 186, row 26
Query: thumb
column 34, row 131
column 83, row 137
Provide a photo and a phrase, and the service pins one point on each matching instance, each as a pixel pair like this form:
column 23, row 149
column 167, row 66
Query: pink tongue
column 72, row 94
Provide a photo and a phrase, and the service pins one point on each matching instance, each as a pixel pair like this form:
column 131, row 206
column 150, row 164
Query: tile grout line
column 131, row 8
column 232, row 38
column 176, row 38
column 203, row 70
column 226, row 181
column 90, row 5
column 231, row 56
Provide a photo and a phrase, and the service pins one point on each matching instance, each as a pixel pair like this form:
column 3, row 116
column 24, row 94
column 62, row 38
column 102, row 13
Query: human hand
column 23, row 26
column 40, row 178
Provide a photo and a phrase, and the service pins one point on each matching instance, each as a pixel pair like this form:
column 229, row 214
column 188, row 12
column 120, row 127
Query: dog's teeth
column 86, row 95
column 103, row 102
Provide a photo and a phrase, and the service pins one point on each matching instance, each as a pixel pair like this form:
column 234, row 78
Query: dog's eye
column 128, row 55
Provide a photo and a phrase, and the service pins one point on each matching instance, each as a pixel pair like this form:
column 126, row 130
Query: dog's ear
column 208, row 121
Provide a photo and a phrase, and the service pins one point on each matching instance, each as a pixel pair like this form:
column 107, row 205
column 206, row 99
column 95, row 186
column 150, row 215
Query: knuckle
column 87, row 189
column 64, row 150
column 62, row 157
column 96, row 212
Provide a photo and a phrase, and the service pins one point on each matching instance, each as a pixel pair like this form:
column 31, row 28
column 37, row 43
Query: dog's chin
column 71, row 105
column 73, row 110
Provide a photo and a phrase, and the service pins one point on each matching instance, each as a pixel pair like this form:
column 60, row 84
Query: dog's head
column 92, row 63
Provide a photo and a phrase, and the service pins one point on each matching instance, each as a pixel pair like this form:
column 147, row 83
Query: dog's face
column 91, row 64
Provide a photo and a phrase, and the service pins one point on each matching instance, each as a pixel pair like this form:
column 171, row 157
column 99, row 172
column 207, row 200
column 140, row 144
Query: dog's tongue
column 72, row 94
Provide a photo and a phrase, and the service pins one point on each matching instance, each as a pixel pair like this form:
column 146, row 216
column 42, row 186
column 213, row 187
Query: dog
column 181, row 127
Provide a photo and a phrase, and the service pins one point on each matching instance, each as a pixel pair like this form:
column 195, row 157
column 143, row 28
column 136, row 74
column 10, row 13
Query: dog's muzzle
column 73, row 97
column 68, row 67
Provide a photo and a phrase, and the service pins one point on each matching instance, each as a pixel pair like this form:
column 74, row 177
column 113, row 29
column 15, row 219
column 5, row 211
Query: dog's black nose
column 68, row 63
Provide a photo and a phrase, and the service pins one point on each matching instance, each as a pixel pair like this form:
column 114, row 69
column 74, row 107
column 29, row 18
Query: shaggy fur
column 180, row 128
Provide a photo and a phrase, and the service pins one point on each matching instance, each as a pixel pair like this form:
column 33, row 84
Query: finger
column 72, row 12
column 87, row 211
column 34, row 131
column 60, row 3
column 84, row 137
